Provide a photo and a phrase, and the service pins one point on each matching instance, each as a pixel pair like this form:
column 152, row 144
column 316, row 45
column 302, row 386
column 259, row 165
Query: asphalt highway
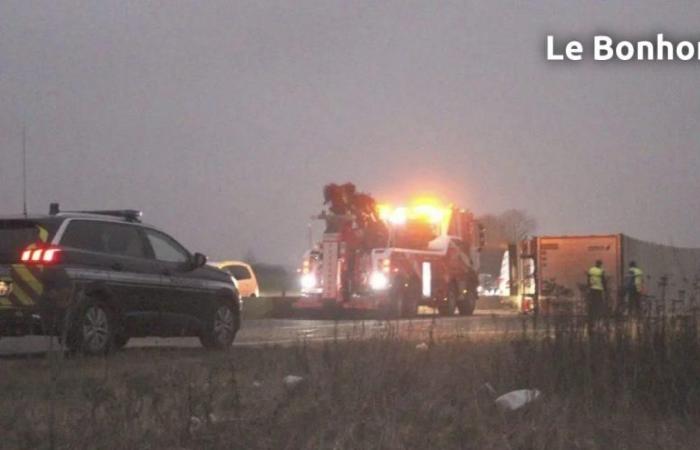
column 261, row 332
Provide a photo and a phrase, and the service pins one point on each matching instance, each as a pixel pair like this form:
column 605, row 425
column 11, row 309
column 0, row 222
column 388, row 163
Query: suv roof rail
column 130, row 215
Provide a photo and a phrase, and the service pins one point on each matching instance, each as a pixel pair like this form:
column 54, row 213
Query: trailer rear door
column 562, row 265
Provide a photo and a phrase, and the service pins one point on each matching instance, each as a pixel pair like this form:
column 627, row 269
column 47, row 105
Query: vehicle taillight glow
column 41, row 255
column 26, row 255
column 50, row 255
column 36, row 254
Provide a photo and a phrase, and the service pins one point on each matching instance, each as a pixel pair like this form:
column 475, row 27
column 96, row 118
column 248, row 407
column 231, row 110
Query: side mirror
column 198, row 260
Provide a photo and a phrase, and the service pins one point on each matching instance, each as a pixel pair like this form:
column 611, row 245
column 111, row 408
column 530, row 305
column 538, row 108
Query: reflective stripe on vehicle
column 28, row 277
column 43, row 233
column 20, row 297
column 26, row 285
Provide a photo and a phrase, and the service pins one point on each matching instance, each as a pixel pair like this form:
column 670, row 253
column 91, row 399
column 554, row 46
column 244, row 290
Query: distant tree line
column 508, row 227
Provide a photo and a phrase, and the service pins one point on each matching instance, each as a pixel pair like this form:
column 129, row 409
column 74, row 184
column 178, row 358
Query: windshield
column 414, row 234
column 15, row 236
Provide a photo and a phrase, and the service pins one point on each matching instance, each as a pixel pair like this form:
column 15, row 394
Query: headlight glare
column 378, row 281
column 308, row 281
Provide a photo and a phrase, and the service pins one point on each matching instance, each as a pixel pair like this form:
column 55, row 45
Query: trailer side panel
column 672, row 274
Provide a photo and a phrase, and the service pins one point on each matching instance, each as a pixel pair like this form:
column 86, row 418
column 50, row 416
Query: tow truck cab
column 430, row 257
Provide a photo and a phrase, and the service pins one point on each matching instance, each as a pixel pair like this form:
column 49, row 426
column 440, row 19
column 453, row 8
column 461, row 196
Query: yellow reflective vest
column 595, row 278
column 638, row 276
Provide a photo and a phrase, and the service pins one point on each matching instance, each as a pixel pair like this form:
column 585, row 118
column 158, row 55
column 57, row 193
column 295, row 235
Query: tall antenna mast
column 24, row 169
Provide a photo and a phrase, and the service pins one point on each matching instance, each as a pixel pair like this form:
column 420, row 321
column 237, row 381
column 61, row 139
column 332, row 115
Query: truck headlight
column 378, row 281
column 308, row 281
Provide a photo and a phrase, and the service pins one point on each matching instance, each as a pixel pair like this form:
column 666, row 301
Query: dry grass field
column 620, row 385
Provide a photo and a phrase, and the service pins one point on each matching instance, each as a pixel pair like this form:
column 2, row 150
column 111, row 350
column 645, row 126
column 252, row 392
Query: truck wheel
column 92, row 332
column 467, row 304
column 411, row 296
column 394, row 306
column 447, row 308
column 221, row 329
column 396, row 303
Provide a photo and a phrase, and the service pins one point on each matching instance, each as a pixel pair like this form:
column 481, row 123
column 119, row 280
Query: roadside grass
column 617, row 385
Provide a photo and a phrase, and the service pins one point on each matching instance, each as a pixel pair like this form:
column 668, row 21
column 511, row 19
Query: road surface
column 260, row 332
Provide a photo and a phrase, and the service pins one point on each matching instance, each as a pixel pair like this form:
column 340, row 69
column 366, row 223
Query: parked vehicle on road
column 244, row 275
column 98, row 278
column 392, row 259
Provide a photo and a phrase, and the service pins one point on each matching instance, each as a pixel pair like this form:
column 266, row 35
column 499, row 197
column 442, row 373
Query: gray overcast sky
column 223, row 120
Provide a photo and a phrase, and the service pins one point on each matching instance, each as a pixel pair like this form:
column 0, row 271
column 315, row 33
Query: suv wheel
column 93, row 331
column 221, row 329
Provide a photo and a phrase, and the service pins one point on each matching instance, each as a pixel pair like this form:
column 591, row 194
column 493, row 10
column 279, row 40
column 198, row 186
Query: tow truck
column 391, row 259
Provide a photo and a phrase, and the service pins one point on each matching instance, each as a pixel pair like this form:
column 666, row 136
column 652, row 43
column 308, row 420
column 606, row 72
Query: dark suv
column 97, row 278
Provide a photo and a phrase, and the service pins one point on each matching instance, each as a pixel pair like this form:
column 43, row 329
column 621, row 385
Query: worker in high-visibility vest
column 634, row 287
column 596, row 291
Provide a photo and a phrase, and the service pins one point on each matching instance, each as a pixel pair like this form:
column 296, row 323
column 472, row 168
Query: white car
column 243, row 274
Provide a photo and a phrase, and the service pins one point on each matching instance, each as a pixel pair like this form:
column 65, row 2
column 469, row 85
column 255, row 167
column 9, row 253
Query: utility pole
column 24, row 169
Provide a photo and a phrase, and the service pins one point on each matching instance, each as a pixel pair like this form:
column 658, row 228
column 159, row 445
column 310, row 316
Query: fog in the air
column 223, row 120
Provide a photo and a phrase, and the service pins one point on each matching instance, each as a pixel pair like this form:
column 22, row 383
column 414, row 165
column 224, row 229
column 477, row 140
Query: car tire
column 93, row 330
column 221, row 328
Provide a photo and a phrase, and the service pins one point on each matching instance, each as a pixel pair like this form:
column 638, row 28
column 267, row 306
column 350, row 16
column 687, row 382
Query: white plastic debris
column 292, row 381
column 257, row 384
column 196, row 424
column 422, row 346
column 517, row 399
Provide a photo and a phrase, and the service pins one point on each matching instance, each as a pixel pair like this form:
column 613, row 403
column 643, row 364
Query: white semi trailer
column 671, row 274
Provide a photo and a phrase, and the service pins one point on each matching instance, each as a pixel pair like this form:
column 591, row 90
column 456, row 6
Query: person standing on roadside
column 596, row 291
column 634, row 286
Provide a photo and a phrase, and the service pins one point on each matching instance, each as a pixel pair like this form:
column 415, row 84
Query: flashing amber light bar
column 420, row 211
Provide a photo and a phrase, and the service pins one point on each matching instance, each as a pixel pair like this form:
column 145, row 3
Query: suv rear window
column 105, row 237
column 15, row 236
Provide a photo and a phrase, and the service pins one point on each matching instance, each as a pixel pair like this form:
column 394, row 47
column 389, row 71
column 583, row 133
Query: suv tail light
column 50, row 255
